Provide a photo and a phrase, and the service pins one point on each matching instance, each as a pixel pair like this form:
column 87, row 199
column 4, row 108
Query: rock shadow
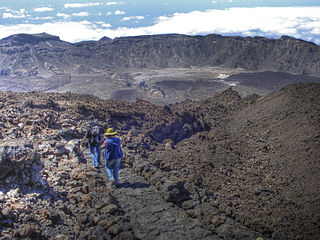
column 134, row 185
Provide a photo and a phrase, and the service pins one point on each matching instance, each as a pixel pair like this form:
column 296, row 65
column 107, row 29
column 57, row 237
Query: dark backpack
column 95, row 134
column 95, row 131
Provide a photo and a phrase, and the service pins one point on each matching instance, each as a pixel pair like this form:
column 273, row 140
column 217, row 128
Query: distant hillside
column 43, row 54
column 160, row 68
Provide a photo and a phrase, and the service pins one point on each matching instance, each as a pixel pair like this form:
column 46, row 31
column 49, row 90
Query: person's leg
column 92, row 153
column 116, row 168
column 98, row 156
column 109, row 165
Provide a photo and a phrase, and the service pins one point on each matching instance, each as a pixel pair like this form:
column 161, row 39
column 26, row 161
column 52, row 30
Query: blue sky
column 81, row 20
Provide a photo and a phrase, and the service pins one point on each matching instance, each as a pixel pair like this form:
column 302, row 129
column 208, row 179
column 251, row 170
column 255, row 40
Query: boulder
column 16, row 156
column 175, row 192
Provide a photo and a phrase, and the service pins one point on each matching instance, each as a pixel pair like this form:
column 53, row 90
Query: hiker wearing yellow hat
column 113, row 155
column 110, row 132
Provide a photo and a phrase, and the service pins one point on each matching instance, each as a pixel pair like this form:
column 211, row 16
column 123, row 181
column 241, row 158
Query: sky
column 85, row 20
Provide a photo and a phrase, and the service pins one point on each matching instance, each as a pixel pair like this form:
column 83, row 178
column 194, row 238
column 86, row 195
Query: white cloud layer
column 42, row 18
column 81, row 14
column 133, row 18
column 114, row 3
column 222, row 1
column 119, row 12
column 299, row 22
column 81, row 5
column 14, row 14
column 105, row 25
column 111, row 3
column 43, row 9
column 63, row 15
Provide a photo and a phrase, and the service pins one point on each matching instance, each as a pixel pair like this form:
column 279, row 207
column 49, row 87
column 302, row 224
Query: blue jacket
column 113, row 148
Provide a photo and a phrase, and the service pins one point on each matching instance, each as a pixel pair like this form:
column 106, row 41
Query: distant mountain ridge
column 44, row 54
column 162, row 69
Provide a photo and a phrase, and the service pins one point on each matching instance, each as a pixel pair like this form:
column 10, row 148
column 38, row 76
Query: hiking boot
column 97, row 167
column 113, row 183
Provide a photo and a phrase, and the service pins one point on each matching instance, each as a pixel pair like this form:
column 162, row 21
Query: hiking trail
column 152, row 217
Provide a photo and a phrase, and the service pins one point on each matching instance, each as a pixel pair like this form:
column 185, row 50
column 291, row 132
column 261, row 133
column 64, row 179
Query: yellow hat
column 110, row 132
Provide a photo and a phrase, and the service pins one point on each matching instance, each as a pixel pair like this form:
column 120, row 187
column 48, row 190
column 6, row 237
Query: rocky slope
column 260, row 163
column 224, row 168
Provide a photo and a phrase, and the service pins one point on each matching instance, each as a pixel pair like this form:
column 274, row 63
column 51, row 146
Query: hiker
column 113, row 155
column 95, row 139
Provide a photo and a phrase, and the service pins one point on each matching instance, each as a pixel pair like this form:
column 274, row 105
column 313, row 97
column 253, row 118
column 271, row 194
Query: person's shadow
column 134, row 185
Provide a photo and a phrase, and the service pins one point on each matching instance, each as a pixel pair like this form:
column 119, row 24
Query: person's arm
column 104, row 144
column 100, row 139
column 88, row 133
column 107, row 146
column 121, row 153
column 120, row 150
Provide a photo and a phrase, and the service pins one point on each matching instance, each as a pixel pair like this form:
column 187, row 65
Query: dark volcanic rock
column 32, row 39
column 238, row 168
column 269, row 80
column 14, row 157
column 257, row 163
